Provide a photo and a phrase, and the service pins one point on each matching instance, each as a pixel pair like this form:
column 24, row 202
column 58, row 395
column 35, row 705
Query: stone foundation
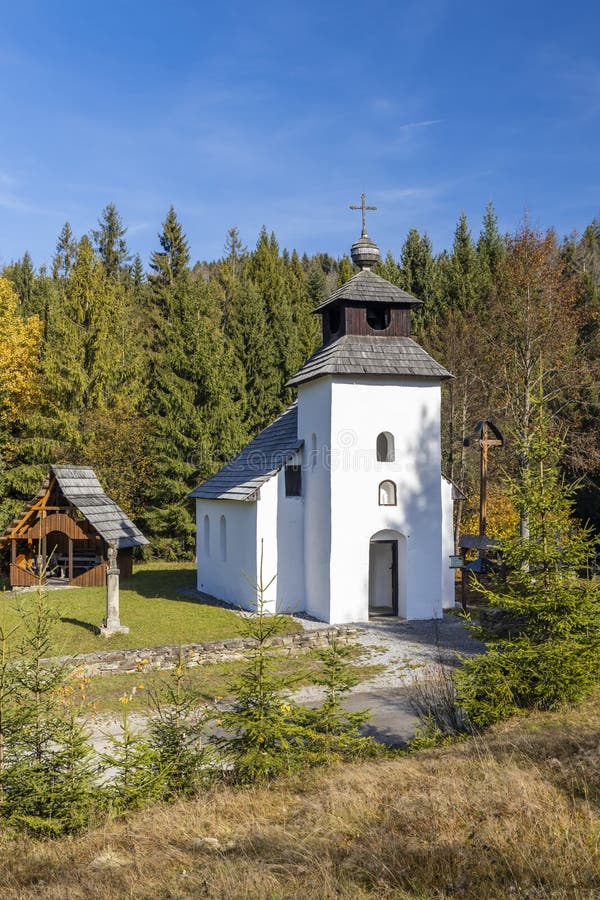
column 111, row 662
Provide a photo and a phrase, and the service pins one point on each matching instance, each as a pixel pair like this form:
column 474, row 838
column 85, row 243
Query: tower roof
column 367, row 287
column 363, row 355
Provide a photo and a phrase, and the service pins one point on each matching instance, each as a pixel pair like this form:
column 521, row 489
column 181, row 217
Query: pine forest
column 157, row 372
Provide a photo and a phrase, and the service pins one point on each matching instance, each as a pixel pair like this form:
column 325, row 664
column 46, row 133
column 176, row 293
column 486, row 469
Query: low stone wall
column 111, row 662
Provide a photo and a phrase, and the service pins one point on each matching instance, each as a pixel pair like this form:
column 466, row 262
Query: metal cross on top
column 363, row 206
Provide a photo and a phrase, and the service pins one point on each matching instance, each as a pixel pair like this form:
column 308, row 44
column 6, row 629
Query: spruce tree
column 418, row 276
column 176, row 732
column 22, row 275
column 195, row 392
column 389, row 269
column 48, row 779
column 346, row 270
column 334, row 730
column 138, row 276
column 550, row 651
column 172, row 260
column 78, row 360
column 110, row 243
column 66, row 251
column 267, row 272
column 254, row 348
column 462, row 280
column 263, row 735
column 491, row 249
column 306, row 324
column 133, row 777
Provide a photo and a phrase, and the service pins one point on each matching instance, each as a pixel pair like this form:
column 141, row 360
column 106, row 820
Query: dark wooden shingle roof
column 367, row 287
column 258, row 461
column 364, row 355
column 81, row 488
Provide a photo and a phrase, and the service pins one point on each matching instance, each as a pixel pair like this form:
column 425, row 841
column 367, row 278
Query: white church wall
column 447, row 545
column 314, row 428
column 266, row 540
column 225, row 577
column 410, row 410
column 290, row 541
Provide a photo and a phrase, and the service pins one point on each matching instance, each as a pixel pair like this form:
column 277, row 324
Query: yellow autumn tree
column 20, row 341
column 502, row 517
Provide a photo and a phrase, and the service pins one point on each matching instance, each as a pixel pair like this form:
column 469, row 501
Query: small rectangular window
column 293, row 481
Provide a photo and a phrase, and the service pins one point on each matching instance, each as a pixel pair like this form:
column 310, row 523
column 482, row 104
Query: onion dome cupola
column 366, row 325
column 366, row 304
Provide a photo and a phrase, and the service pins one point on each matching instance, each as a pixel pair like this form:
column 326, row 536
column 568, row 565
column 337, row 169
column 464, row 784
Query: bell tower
column 366, row 305
column 369, row 405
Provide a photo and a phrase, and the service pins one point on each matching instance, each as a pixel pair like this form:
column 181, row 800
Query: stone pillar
column 112, row 623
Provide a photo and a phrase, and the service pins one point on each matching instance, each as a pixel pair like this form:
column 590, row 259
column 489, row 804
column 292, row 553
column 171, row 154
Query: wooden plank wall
column 353, row 320
column 356, row 322
column 57, row 522
column 125, row 562
column 95, row 577
column 20, row 577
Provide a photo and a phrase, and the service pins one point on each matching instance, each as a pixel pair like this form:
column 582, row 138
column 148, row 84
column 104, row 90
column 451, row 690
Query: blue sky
column 282, row 113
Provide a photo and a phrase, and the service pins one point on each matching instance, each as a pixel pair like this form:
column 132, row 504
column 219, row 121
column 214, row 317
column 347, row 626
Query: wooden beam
column 33, row 507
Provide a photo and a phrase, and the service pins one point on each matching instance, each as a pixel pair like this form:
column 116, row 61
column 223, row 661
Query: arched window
column 206, row 536
column 387, row 493
column 313, row 451
column 223, row 538
column 385, row 447
column 378, row 317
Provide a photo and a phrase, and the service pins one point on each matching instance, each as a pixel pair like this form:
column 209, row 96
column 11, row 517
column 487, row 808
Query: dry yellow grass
column 514, row 814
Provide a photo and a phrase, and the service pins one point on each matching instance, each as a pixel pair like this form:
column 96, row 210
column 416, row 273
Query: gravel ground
column 403, row 650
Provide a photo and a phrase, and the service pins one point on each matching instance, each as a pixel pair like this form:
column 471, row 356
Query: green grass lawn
column 152, row 606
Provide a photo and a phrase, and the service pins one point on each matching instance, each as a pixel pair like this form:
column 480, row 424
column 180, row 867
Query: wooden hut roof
column 81, row 488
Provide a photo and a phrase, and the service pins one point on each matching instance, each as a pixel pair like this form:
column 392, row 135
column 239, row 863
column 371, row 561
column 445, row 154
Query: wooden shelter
column 66, row 530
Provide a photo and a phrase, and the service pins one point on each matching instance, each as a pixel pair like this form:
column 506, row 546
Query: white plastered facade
column 317, row 547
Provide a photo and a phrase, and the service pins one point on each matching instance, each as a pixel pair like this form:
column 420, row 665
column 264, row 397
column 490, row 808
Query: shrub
column 555, row 654
column 176, row 732
column 47, row 775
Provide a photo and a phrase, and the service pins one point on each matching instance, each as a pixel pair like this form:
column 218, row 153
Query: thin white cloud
column 383, row 105
column 137, row 227
column 425, row 123
column 11, row 199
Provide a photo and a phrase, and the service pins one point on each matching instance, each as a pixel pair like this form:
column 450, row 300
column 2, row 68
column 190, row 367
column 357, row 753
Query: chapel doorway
column 383, row 578
column 387, row 574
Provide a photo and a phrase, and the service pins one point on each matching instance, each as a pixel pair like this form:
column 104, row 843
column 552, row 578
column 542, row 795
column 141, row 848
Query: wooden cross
column 363, row 207
column 486, row 435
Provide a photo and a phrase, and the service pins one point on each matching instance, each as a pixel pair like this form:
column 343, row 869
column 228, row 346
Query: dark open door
column 383, row 578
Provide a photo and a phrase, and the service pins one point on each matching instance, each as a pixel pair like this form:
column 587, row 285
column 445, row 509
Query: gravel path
column 402, row 649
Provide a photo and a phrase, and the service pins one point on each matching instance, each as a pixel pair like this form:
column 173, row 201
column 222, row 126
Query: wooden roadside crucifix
column 485, row 435
column 363, row 207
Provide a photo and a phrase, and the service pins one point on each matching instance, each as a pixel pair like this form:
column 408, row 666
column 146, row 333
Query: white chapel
column 343, row 494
